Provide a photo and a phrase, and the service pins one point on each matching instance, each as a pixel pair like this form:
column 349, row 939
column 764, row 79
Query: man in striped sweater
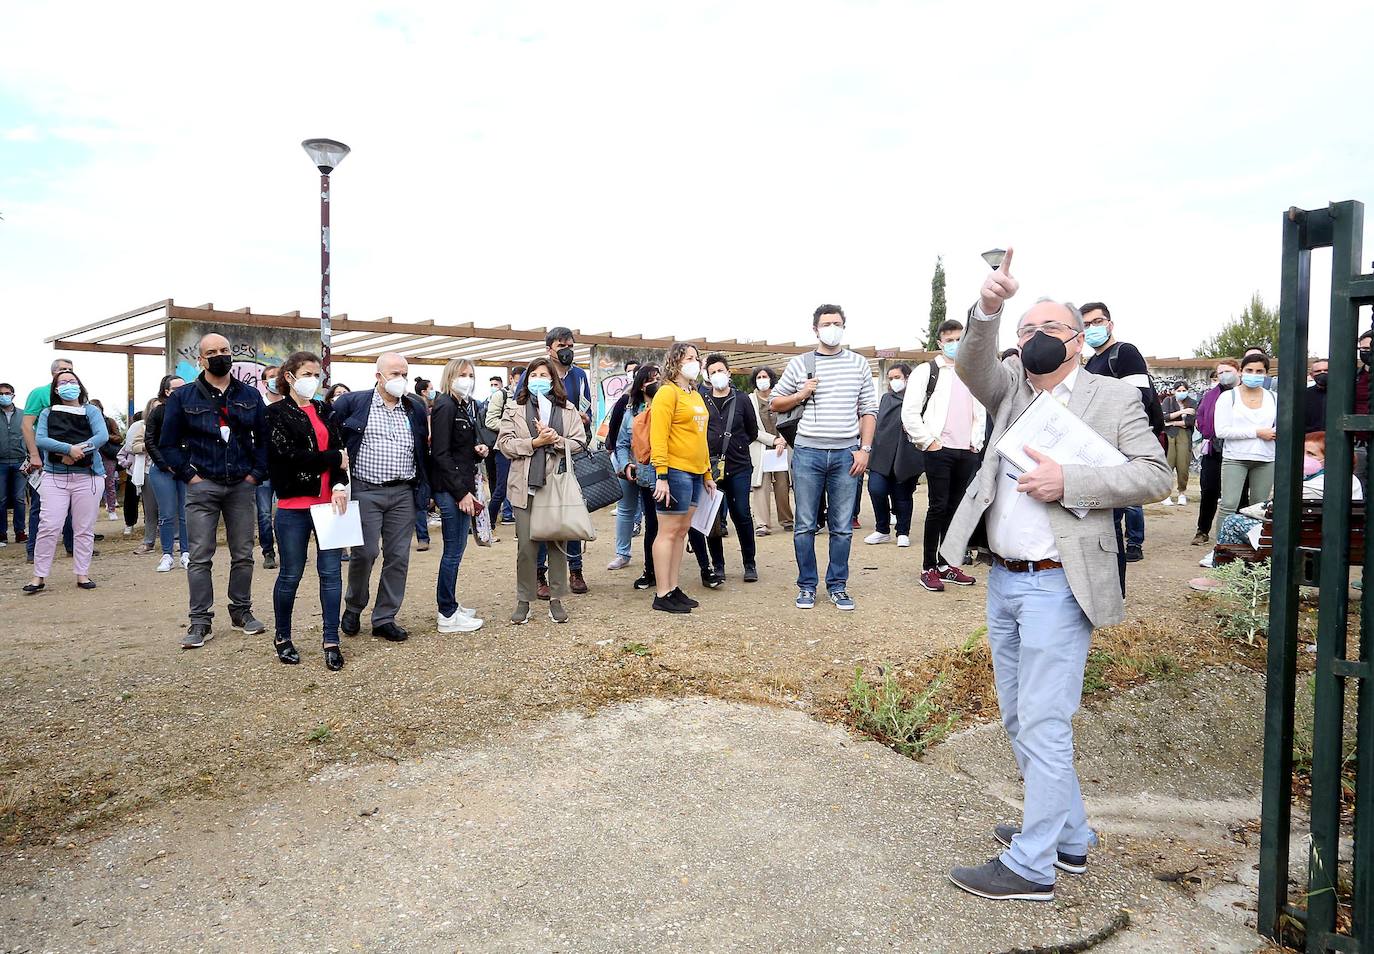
column 834, row 439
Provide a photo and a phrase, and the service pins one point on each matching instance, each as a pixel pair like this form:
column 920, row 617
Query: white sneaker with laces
column 619, row 563
column 1182, row 500
column 903, row 540
column 458, row 623
column 165, row 564
column 876, row 537
column 1208, row 561
column 466, row 610
column 185, row 560
column 113, row 516
column 1168, row 501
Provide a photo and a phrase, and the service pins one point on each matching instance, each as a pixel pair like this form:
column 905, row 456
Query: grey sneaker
column 556, row 611
column 269, row 560
column 521, row 615
column 197, row 635
column 1073, row 864
column 997, row 882
column 246, row 622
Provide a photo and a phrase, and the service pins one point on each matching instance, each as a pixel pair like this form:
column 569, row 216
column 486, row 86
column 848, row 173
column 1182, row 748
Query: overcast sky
column 708, row 169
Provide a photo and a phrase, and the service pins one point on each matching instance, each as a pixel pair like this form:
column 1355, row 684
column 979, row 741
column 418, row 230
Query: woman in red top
column 307, row 465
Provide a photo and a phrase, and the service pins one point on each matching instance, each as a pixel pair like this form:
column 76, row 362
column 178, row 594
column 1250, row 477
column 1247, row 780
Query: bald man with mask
column 214, row 439
column 386, row 432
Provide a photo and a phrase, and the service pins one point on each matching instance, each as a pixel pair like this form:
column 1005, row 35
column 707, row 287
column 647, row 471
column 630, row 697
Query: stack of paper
column 1056, row 432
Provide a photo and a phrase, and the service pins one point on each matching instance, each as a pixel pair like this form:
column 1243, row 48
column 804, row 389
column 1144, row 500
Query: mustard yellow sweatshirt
column 677, row 431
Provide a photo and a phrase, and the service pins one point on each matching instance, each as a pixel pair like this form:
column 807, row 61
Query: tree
column 1256, row 327
column 937, row 305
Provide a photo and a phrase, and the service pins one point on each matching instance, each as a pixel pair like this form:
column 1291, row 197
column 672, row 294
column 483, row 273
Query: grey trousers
column 206, row 502
column 527, row 557
column 388, row 518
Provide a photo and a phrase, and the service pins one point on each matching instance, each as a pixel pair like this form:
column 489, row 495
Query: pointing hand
column 998, row 287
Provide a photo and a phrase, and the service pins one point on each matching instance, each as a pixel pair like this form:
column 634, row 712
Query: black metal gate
column 1339, row 227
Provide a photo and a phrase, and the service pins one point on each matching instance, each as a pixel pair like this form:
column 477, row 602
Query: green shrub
column 899, row 718
column 1244, row 598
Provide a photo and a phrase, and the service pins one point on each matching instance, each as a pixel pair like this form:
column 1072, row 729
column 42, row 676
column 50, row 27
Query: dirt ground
column 107, row 719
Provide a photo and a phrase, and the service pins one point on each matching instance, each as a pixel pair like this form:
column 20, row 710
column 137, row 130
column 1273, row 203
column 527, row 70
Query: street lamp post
column 326, row 154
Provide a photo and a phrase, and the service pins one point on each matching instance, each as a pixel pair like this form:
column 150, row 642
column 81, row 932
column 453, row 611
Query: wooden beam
column 109, row 321
column 61, row 344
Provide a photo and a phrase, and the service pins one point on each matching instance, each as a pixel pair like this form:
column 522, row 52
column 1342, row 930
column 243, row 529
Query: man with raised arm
column 1054, row 577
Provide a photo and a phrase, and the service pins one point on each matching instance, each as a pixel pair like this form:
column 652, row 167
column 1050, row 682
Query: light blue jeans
column 1039, row 639
column 625, row 513
column 816, row 472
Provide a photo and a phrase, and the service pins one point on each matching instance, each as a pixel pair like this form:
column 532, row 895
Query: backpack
column 1153, row 410
column 639, row 436
column 788, row 420
column 930, row 385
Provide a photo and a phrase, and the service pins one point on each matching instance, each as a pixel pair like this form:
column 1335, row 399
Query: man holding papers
column 1054, row 577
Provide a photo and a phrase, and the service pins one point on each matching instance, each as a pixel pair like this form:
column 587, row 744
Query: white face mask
column 396, row 387
column 691, row 370
column 463, row 386
column 762, row 382
column 720, row 380
column 898, row 385
column 306, row 386
column 831, row 335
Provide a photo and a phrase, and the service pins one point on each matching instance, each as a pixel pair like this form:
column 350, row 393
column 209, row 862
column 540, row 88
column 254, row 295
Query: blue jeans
column 815, row 473
column 625, row 513
column 294, row 529
column 422, row 498
column 36, row 511
column 891, row 498
column 11, row 498
column 499, row 505
column 171, row 509
column 455, row 529
column 1039, row 639
column 265, row 498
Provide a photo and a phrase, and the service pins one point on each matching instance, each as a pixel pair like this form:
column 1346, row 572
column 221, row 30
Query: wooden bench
column 1309, row 542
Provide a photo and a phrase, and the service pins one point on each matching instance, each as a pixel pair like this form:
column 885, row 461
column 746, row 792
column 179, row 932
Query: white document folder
column 1056, row 432
column 704, row 517
column 774, row 461
column 333, row 531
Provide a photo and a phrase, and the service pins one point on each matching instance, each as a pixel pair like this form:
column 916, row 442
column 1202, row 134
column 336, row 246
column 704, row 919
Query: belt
column 399, row 481
column 1027, row 566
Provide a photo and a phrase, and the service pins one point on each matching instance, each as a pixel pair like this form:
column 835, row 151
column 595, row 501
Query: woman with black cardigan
column 455, row 454
column 894, row 466
column 307, row 465
column 169, row 492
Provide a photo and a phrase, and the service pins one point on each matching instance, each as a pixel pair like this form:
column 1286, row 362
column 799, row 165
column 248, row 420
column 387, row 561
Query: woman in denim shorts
column 677, row 429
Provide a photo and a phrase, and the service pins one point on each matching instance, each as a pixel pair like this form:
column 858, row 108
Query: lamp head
column 994, row 257
column 326, row 154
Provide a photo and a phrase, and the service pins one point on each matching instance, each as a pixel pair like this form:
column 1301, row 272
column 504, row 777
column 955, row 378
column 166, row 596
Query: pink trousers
column 80, row 495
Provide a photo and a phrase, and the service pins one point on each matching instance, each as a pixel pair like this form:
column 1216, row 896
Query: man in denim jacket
column 214, row 437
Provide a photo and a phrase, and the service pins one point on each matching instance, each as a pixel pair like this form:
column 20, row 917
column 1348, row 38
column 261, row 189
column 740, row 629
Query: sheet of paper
column 545, row 409
column 1055, row 431
column 1254, row 535
column 334, row 531
column 774, row 461
column 704, row 517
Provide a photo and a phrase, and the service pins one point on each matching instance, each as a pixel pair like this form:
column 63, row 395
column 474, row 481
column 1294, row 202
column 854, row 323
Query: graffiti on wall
column 609, row 383
column 254, row 349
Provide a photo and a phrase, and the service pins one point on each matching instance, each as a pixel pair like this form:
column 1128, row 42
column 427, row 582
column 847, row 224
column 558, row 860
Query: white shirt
column 1017, row 524
column 1238, row 426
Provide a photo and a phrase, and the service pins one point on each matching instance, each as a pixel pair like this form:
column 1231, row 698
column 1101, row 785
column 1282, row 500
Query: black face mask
column 564, row 356
column 1365, row 357
column 219, row 365
column 1043, row 354
column 1320, row 379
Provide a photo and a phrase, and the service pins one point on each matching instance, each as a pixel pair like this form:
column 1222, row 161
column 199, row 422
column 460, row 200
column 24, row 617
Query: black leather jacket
column 453, row 461
column 295, row 461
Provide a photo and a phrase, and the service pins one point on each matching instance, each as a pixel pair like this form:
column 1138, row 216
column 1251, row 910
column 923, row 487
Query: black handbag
column 596, row 475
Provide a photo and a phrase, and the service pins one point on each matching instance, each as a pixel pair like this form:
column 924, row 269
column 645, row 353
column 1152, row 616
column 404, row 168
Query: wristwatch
column 866, row 448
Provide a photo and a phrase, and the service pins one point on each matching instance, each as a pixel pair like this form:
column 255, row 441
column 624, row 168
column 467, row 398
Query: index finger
column 1005, row 267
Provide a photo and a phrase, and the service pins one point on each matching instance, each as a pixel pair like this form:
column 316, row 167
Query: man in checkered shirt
column 386, row 432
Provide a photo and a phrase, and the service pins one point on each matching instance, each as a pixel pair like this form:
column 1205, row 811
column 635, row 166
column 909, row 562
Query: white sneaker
column 128, row 531
column 1182, row 500
column 1168, row 501
column 466, row 610
column 165, row 564
column 185, row 560
column 903, row 540
column 113, row 516
column 458, row 623
column 619, row 563
column 1208, row 561
column 876, row 537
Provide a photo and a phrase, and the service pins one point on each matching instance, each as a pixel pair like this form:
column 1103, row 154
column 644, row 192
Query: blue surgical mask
column 6, row 400
column 1252, row 380
column 1096, row 336
column 950, row 349
column 540, row 387
column 69, row 392
column 271, row 384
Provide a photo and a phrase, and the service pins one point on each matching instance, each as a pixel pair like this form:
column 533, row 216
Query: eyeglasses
column 1053, row 328
column 1096, row 323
